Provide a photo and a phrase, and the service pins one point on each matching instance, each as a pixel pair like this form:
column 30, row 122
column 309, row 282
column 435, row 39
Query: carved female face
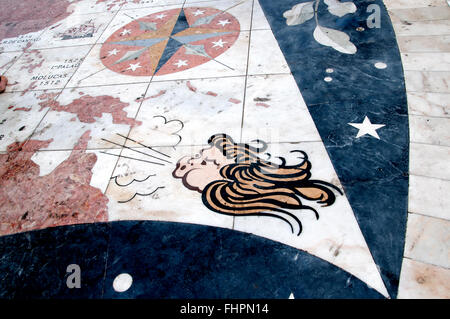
column 244, row 184
column 201, row 169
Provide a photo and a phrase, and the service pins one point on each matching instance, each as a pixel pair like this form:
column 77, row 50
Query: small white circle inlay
column 122, row 282
column 380, row 65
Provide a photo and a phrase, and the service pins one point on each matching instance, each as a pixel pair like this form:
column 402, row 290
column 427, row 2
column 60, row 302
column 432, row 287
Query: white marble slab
column 422, row 28
column 20, row 42
column 138, row 4
column 265, row 54
column 428, row 240
column 419, row 81
column 7, row 59
column 20, row 114
column 94, row 6
column 259, row 20
column 429, row 160
column 421, row 14
column 162, row 196
column 240, row 9
column 77, row 29
column 45, row 69
column 275, row 111
column 429, row 104
column 403, row 4
column 426, row 61
column 335, row 236
column 68, row 122
column 439, row 43
column 101, row 172
column 429, row 130
column 194, row 110
column 423, row 281
column 429, row 196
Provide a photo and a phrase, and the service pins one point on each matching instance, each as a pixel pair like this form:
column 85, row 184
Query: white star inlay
column 126, row 31
column 113, row 52
column 366, row 127
column 181, row 63
column 219, row 43
column 223, row 22
column 133, row 67
column 160, row 16
column 199, row 12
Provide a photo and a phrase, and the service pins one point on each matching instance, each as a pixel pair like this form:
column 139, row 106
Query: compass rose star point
column 181, row 63
column 113, row 52
column 125, row 32
column 219, row 43
column 199, row 12
column 161, row 16
column 134, row 67
column 224, row 22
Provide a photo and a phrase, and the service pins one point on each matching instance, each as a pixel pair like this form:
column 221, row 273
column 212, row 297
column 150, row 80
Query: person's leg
column 3, row 82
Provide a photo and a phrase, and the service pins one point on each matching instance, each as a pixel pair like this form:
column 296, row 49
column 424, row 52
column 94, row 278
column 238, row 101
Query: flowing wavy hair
column 256, row 187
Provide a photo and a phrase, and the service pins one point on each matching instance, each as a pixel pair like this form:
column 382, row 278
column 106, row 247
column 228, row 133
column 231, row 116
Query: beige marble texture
column 428, row 240
column 274, row 98
column 426, row 61
column 429, row 130
column 429, row 196
column 424, row 28
column 435, row 43
column 423, row 281
column 420, row 14
column 403, row 4
column 265, row 55
column 419, row 81
column 259, row 21
column 429, row 160
column 430, row 104
column 7, row 59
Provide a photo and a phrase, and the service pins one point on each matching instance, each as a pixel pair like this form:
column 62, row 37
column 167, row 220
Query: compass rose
column 170, row 41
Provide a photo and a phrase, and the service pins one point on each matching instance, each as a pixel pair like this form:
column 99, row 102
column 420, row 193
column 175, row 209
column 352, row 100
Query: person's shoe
column 3, row 82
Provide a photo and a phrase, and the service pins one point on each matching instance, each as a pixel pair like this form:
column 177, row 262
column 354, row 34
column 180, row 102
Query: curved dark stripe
column 166, row 260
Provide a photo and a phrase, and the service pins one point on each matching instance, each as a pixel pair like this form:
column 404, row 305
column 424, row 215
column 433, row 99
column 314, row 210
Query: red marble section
column 262, row 104
column 161, row 92
column 191, row 87
column 30, row 87
column 22, row 17
column 235, row 101
column 25, row 109
column 32, row 62
column 63, row 197
column 87, row 108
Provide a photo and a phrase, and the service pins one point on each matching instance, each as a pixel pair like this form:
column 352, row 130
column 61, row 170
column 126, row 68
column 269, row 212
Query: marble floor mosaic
column 225, row 149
